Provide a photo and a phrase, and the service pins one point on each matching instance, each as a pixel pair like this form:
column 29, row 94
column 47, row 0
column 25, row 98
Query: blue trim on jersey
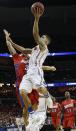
column 21, row 99
column 30, row 109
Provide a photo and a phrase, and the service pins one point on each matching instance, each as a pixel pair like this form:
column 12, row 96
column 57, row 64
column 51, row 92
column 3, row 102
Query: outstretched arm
column 17, row 47
column 36, row 30
column 10, row 48
column 49, row 68
column 21, row 49
column 9, row 45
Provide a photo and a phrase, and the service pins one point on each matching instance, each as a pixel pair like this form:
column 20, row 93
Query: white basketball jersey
column 41, row 57
column 37, row 59
column 33, row 57
column 40, row 60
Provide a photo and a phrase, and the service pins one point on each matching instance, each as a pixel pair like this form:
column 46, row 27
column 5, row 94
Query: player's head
column 67, row 94
column 46, row 39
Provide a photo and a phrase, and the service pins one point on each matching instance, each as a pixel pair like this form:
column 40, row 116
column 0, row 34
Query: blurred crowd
column 8, row 115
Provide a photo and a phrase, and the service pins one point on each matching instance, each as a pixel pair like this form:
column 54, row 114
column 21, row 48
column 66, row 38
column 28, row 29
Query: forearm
column 10, row 48
column 49, row 68
column 17, row 47
column 21, row 49
column 45, row 67
column 35, row 27
column 36, row 35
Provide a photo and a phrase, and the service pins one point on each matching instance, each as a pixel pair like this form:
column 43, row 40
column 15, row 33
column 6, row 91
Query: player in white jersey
column 37, row 118
column 34, row 79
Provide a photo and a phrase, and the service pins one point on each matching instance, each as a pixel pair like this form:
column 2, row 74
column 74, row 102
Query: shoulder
column 72, row 100
column 36, row 47
column 15, row 55
column 63, row 102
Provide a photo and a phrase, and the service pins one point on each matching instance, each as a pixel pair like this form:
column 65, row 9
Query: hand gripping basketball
column 37, row 7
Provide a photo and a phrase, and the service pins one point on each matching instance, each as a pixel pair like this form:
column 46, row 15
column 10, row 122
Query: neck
column 68, row 98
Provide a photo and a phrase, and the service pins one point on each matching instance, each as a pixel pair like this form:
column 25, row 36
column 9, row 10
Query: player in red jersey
column 55, row 113
column 20, row 64
column 68, row 106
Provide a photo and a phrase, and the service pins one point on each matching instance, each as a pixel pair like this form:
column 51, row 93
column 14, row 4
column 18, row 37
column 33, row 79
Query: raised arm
column 10, row 48
column 36, row 29
column 16, row 46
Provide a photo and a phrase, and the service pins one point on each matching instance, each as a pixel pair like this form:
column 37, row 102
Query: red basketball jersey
column 55, row 109
column 20, row 63
column 68, row 106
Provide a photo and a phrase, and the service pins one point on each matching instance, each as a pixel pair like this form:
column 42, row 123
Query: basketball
column 37, row 5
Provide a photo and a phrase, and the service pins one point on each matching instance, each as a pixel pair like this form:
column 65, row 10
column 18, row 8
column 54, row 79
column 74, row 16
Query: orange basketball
column 37, row 5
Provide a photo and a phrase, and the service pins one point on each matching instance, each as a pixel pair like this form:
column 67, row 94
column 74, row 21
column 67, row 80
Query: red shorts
column 69, row 122
column 34, row 97
column 56, row 121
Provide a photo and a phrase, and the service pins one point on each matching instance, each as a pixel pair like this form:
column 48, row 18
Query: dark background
column 58, row 20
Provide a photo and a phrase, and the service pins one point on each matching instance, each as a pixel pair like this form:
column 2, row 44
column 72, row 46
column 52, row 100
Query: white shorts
column 36, row 121
column 32, row 80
